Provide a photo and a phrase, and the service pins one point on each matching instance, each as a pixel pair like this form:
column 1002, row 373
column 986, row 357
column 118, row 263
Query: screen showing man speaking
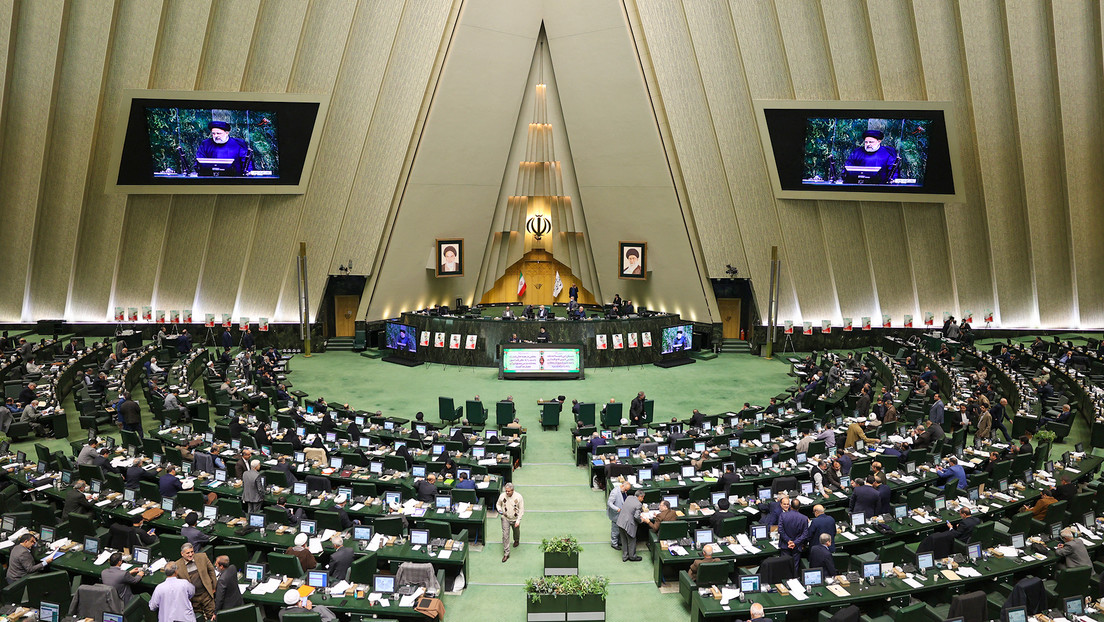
column 202, row 142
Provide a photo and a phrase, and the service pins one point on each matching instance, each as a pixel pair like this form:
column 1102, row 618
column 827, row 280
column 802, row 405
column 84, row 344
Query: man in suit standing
column 227, row 339
column 628, row 519
column 864, row 499
column 227, row 594
column 636, row 408
column 614, row 504
column 793, row 531
column 252, row 490
column 885, row 495
column 114, row 576
column 820, row 556
column 340, row 560
column 935, row 414
column 197, row 569
column 822, row 524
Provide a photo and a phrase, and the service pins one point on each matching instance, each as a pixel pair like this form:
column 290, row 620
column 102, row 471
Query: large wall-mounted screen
column 541, row 361
column 245, row 143
column 882, row 151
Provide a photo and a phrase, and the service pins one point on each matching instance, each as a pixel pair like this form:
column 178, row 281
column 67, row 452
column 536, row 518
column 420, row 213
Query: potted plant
column 542, row 600
column 1045, row 438
column 586, row 596
column 561, row 555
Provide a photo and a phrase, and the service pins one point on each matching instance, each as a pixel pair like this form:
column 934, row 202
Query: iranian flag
column 521, row 284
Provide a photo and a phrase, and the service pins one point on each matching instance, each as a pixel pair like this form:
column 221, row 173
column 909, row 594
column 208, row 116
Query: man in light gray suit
column 1072, row 551
column 252, row 492
column 120, row 579
column 613, row 510
column 627, row 521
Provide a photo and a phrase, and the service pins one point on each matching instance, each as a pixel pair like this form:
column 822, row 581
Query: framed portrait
column 438, row 340
column 450, row 257
column 601, row 341
column 423, row 339
column 633, row 257
column 633, row 340
column 618, row 341
column 454, row 342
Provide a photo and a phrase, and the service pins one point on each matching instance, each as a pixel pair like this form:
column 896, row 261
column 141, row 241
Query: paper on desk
column 100, row 504
column 444, row 554
column 804, row 500
column 676, row 550
column 315, row 501
column 466, row 514
column 5, row 544
column 487, row 462
column 840, row 495
column 838, row 590
column 42, row 487
column 950, row 574
column 849, row 535
column 314, row 545
column 375, row 596
column 339, row 588
column 796, row 589
column 158, row 565
column 483, row 485
column 102, row 558
column 267, row 587
column 328, row 533
column 913, row 583
column 137, row 510
column 408, row 601
column 357, row 507
column 728, row 593
column 243, row 588
column 376, row 542
column 1007, row 551
column 964, row 571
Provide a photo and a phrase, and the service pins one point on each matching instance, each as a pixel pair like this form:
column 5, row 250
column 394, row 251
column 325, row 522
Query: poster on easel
column 788, row 328
column 826, row 327
column 646, row 339
column 160, row 315
column 423, row 338
column 209, row 320
column 262, row 324
column 866, row 323
column 887, row 321
column 186, row 316
column 847, row 325
column 454, row 342
column 633, row 340
column 438, row 340
column 968, row 315
column 988, row 316
column 908, row 321
column 618, row 342
column 227, row 320
column 469, row 342
column 929, row 318
column 119, row 314
column 806, row 328
column 243, row 323
column 132, row 313
column 174, row 316
column 601, row 341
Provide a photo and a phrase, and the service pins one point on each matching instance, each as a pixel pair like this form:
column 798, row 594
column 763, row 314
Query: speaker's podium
column 217, row 167
column 863, row 174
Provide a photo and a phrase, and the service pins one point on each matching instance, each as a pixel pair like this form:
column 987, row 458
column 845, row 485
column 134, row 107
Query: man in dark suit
column 822, row 524
column 293, row 515
column 864, row 499
column 793, row 531
column 820, row 556
column 114, row 576
column 192, row 533
column 542, row 313
column 76, row 501
column 636, row 408
column 135, row 474
column 227, row 339
column 340, row 560
column 729, row 478
column 227, row 594
column 885, row 502
column 965, row 528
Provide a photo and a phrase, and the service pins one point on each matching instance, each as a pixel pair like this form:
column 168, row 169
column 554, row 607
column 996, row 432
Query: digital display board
column 541, row 361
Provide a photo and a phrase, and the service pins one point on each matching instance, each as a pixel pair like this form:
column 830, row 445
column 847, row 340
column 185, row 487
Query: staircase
column 735, row 346
column 340, row 344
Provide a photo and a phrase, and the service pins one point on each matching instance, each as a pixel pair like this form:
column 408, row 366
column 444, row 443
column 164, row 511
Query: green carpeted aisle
column 558, row 497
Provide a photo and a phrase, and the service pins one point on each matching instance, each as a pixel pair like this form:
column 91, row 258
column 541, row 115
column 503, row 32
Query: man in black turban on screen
column 221, row 145
column 872, row 154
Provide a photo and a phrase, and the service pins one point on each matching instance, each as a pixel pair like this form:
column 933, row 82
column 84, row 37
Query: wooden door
column 345, row 310
column 730, row 316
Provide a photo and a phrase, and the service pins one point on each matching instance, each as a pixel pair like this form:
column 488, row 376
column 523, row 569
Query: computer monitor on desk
column 749, row 583
column 299, row 488
column 383, row 584
column 812, row 577
column 308, row 527
column 141, row 555
column 924, row 561
column 419, row 536
column 257, row 521
column 318, row 579
column 872, row 570
column 255, row 572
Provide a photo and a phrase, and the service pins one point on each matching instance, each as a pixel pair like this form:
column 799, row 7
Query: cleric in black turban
column 222, row 145
column 873, row 153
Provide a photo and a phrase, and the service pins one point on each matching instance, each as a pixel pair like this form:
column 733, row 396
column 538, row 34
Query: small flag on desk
column 558, row 287
column 521, row 284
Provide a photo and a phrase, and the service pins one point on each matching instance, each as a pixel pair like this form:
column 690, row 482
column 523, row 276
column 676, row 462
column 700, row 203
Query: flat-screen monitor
column 331, row 437
column 375, row 468
column 1074, row 606
column 215, row 142
column 940, row 504
column 768, row 463
column 419, row 536
column 439, row 449
column 1017, row 614
column 764, row 437
column 254, row 572
column 362, row 533
column 112, row 617
column 318, row 579
column 872, row 569
column 168, row 504
column 46, row 534
column 910, row 468
column 879, row 151
column 299, row 488
column 623, row 452
column 643, row 432
column 383, row 584
column 392, row 497
column 48, row 612
column 925, row 560
column 845, row 481
column 1088, row 519
column 812, row 577
column 235, row 443
column 465, row 472
column 141, row 555
column 760, row 532
column 1002, row 485
column 418, row 470
column 677, row 339
column 900, row 511
column 7, row 523
column 1017, row 540
column 749, row 583
column 688, row 471
column 860, row 445
column 663, row 450
column 802, row 458
column 300, row 457
column 1055, row 530
column 97, row 486
column 387, row 425
column 308, row 527
column 699, row 446
column 672, row 500
column 40, row 468
column 764, row 494
column 973, row 494
column 858, row 519
column 210, row 512
column 66, row 478
column 644, row 475
column 129, row 494
column 703, row 537
column 401, row 338
column 256, row 521
column 715, row 497
column 421, row 428
column 806, row 488
column 442, row 502
column 220, row 475
column 974, row 551
column 336, row 462
column 92, row 545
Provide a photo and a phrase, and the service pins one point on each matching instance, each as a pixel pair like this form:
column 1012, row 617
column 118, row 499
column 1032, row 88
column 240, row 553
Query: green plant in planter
column 593, row 584
column 561, row 544
column 1045, row 436
column 570, row 585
